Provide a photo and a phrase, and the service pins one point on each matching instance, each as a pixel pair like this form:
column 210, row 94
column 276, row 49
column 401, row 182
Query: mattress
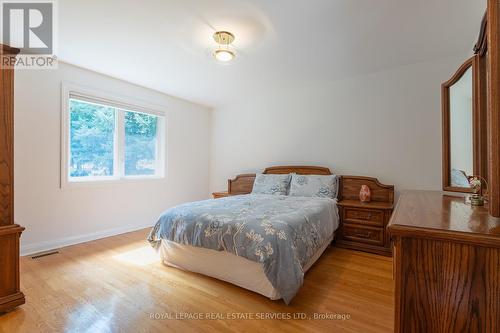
column 280, row 234
column 226, row 266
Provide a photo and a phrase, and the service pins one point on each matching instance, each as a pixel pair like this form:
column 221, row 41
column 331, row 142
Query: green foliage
column 92, row 133
column 140, row 143
column 92, row 130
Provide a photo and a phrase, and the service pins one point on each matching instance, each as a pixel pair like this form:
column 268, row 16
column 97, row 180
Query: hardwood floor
column 118, row 285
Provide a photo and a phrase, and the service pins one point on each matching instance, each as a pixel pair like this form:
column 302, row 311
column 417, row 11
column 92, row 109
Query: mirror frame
column 479, row 158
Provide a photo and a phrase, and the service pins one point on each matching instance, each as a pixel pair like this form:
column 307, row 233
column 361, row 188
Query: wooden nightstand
column 363, row 225
column 240, row 185
column 218, row 195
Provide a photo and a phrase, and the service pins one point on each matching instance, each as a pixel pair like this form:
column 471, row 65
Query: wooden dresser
column 446, row 265
column 363, row 225
column 10, row 294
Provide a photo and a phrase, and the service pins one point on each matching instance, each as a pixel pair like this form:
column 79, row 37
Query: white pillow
column 314, row 186
column 271, row 184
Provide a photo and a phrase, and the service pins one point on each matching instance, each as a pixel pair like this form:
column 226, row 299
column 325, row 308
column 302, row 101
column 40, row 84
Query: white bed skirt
column 225, row 266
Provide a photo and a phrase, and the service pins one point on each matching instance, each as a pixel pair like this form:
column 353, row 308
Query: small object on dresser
column 476, row 200
column 476, row 184
column 365, row 194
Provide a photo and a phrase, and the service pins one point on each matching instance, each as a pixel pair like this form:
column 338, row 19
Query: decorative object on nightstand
column 365, row 195
column 363, row 224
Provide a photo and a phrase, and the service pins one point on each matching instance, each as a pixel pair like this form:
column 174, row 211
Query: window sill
column 93, row 183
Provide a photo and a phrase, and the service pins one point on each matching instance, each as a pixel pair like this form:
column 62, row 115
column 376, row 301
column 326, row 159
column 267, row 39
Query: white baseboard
column 27, row 249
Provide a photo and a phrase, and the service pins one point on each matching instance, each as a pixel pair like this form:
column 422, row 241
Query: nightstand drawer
column 363, row 234
column 364, row 216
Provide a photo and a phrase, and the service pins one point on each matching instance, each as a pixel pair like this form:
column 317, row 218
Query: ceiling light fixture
column 224, row 52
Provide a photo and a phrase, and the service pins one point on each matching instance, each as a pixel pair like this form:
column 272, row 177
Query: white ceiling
column 165, row 44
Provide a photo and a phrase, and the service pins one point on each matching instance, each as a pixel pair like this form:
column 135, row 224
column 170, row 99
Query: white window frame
column 121, row 105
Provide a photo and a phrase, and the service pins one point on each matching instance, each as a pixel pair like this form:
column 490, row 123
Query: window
column 105, row 140
column 141, row 139
column 92, row 140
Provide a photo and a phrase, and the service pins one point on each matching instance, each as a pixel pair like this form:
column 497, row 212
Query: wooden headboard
column 243, row 184
column 300, row 170
column 349, row 185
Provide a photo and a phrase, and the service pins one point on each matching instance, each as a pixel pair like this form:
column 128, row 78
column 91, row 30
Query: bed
column 260, row 242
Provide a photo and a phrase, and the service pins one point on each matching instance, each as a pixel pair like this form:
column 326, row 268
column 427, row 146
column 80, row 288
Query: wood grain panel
column 300, row 170
column 364, row 216
column 363, row 234
column 434, row 215
column 448, row 287
column 8, row 284
column 351, row 185
column 242, row 184
column 480, row 129
column 493, row 31
column 446, row 264
column 6, row 146
column 481, row 46
column 10, row 294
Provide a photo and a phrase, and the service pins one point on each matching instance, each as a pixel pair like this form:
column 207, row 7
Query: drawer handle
column 365, row 217
column 361, row 235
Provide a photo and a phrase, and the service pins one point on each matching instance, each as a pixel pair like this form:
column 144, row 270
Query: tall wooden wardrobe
column 10, row 293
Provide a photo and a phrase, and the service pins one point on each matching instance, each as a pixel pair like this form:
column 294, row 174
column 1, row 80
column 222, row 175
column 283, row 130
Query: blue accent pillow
column 271, row 184
column 314, row 186
column 458, row 178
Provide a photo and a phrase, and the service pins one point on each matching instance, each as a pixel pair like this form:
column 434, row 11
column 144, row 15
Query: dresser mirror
column 458, row 127
column 464, row 126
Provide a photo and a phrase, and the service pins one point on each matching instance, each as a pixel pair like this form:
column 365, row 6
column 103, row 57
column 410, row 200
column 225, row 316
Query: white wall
column 55, row 217
column 386, row 125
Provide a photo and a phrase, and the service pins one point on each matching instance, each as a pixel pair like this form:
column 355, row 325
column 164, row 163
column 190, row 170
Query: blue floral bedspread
column 281, row 232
